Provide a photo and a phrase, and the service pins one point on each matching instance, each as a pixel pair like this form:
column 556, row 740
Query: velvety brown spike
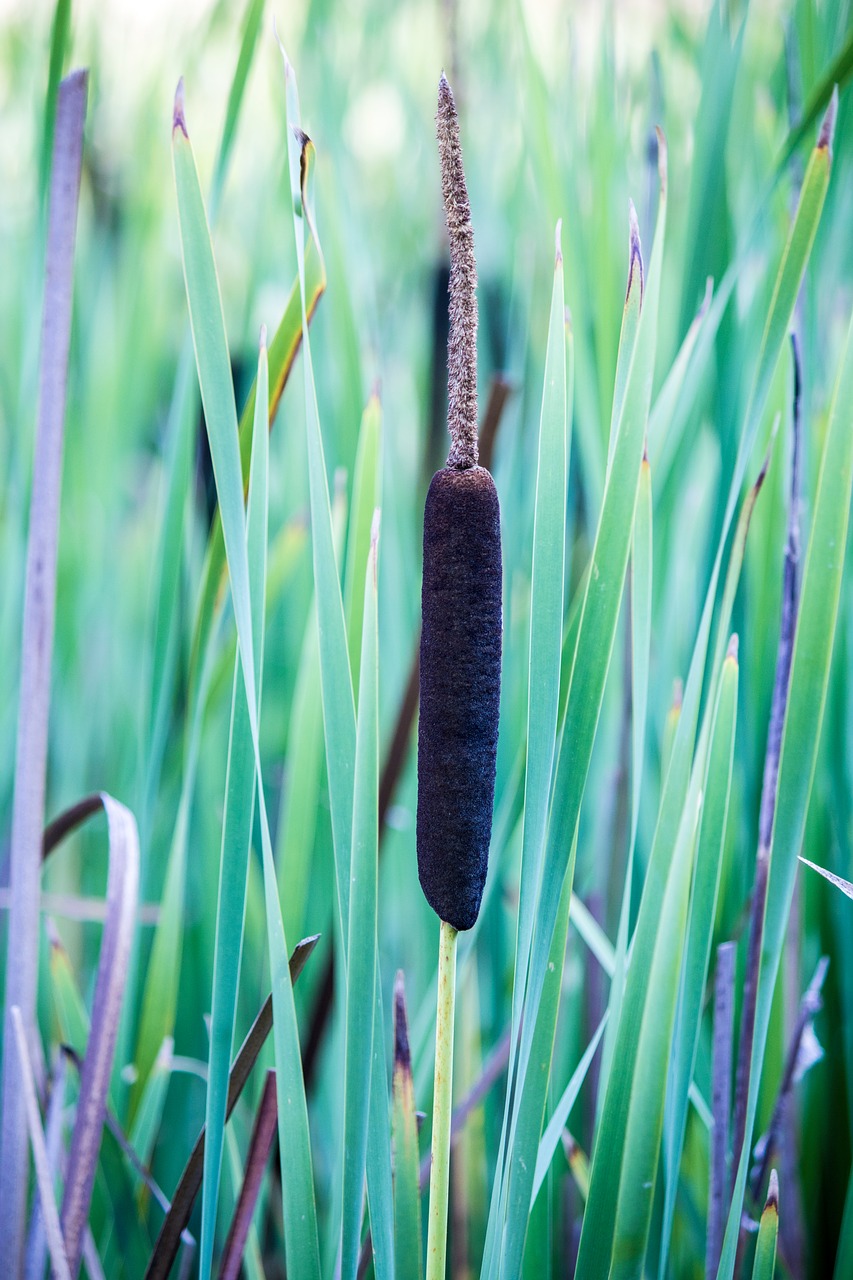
column 460, row 672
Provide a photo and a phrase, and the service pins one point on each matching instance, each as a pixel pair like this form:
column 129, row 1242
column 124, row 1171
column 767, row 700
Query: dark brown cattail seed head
column 460, row 690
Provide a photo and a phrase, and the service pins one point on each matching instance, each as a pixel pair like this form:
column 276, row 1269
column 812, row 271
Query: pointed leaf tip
column 827, row 128
column 262, row 341
column 179, row 120
column 558, row 249
column 772, row 1201
column 663, row 153
column 732, row 651
column 402, row 1053
column 635, row 251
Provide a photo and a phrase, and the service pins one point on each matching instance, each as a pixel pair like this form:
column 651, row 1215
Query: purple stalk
column 784, row 653
column 122, row 899
column 721, row 1101
column 263, row 1136
column 37, row 653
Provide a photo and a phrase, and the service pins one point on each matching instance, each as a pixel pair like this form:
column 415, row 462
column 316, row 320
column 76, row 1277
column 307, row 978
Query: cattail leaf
column 597, row 631
column 169, row 1239
column 149, row 1113
column 180, row 435
column 559, row 1119
column 546, row 622
column 365, row 499
column 806, row 697
column 408, row 1239
column 122, row 901
column 36, row 641
column 282, row 353
column 641, row 605
column 44, row 1181
column 521, row 1170
column 844, row 885
column 361, row 972
column 234, row 856
column 336, row 680
column 768, row 1230
column 628, row 333
column 628, row 1234
column 299, row 1208
column 303, row 771
column 703, row 908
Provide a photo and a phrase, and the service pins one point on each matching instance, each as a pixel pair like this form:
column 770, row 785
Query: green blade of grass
column 336, row 683
column 626, row 1241
column 806, row 698
column 844, row 885
column 768, row 1229
column 559, row 1119
column 522, row 1160
column 169, row 1239
column 361, row 971
column 641, row 605
column 546, row 635
column 206, row 316
column 233, row 866
column 149, row 1113
column 703, row 907
column 336, row 680
column 597, row 631
column 365, row 500
column 408, row 1239
column 303, row 771
column 248, row 43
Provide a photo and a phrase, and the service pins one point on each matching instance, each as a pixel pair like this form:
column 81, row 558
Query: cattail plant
column 460, row 663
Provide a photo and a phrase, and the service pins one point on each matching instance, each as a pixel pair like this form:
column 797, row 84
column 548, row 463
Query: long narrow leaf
column 37, row 650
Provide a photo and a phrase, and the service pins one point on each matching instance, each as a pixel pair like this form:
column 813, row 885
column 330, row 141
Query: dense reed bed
column 619, row 1017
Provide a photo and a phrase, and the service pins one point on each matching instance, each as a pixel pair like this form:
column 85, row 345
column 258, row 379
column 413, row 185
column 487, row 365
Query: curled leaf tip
column 301, row 136
column 662, row 158
column 772, row 1201
column 179, row 120
column 402, row 1053
column 558, row 249
column 827, row 128
column 635, row 252
column 732, row 651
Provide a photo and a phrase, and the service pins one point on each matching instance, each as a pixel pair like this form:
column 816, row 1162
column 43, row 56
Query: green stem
column 439, row 1177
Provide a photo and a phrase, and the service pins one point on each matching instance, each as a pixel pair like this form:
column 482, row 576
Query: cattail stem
column 442, row 1104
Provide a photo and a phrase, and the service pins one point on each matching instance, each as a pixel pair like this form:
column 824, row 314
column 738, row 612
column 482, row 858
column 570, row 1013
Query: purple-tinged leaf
column 122, row 898
column 32, row 1119
column 37, row 652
